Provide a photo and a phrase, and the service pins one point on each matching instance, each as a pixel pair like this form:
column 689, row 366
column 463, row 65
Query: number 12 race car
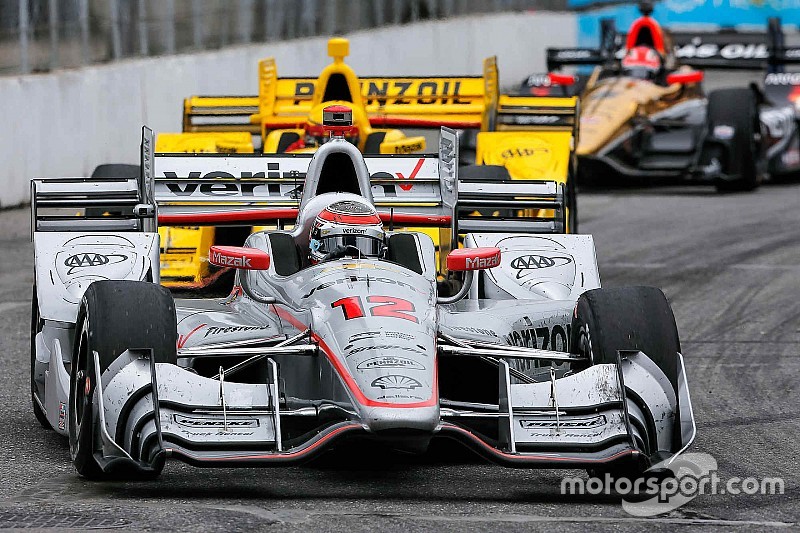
column 338, row 328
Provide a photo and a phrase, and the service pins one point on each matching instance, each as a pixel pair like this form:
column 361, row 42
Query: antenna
column 391, row 219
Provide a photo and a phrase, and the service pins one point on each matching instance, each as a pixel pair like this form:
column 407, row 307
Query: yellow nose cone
column 338, row 49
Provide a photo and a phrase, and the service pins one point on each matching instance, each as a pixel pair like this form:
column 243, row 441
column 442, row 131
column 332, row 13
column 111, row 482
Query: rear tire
column 114, row 316
column 737, row 108
column 116, row 170
column 626, row 318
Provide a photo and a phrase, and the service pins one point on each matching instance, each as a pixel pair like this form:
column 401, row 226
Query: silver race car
column 339, row 328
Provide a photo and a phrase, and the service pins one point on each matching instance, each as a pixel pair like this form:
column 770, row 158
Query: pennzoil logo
column 88, row 260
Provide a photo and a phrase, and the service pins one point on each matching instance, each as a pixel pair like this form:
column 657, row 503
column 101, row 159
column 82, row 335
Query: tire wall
column 66, row 122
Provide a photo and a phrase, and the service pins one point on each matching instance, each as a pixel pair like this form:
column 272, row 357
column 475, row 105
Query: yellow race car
column 519, row 137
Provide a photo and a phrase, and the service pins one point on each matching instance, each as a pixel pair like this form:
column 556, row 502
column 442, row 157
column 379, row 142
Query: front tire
column 627, row 318
column 113, row 316
column 735, row 108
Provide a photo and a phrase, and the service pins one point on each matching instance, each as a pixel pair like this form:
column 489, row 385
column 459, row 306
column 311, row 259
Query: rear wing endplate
column 97, row 204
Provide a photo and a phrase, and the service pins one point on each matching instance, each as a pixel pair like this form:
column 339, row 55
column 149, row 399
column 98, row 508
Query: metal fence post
column 197, row 23
column 143, row 28
column 52, row 19
column 116, row 39
column 244, row 20
column 24, row 64
column 83, row 16
column 170, row 29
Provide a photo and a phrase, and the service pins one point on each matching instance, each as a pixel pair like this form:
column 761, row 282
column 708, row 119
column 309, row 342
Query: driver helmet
column 350, row 227
column 316, row 132
column 641, row 62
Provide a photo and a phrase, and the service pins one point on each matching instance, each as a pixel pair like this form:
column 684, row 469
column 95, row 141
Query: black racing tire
column 114, row 316
column 36, row 326
column 487, row 173
column 627, row 318
column 738, row 108
column 116, row 170
column 572, row 205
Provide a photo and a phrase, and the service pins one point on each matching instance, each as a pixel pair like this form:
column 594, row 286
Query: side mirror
column 561, row 79
column 468, row 259
column 691, row 76
column 239, row 257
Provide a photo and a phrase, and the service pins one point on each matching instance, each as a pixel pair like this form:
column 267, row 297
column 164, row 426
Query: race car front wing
column 606, row 413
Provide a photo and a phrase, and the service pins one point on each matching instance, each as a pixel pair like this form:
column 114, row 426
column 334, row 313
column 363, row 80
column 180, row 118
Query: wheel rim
column 79, row 394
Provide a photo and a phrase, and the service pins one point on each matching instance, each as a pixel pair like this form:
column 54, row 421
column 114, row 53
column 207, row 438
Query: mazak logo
column 482, row 262
column 227, row 260
column 88, row 260
column 584, row 423
column 574, row 54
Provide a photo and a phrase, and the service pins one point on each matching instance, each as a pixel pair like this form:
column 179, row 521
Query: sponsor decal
column 383, row 347
column 197, row 422
column 396, row 382
column 408, row 148
column 389, row 361
column 399, row 92
column 365, row 279
column 359, row 231
column 538, row 80
column 398, row 335
column 482, row 262
column 525, row 120
column 544, row 338
column 89, row 260
column 700, row 50
column 522, row 152
column 527, row 263
column 363, row 336
column 572, row 423
column 723, row 132
column 232, row 329
column 236, row 262
column 783, row 78
column 62, row 416
column 573, row 54
column 478, row 331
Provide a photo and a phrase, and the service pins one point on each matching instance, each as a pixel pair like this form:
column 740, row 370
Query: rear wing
column 727, row 49
column 97, row 204
column 460, row 102
column 426, row 102
column 407, row 190
column 526, row 113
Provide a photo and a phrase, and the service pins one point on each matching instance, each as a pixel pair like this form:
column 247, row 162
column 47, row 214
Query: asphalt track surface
column 728, row 264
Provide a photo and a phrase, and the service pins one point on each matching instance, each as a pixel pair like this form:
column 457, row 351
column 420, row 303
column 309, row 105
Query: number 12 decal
column 387, row 306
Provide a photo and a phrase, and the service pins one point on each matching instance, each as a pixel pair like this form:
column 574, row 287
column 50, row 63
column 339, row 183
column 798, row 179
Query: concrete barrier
column 67, row 122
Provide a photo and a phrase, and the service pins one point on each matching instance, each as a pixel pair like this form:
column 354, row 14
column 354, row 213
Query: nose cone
column 380, row 419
